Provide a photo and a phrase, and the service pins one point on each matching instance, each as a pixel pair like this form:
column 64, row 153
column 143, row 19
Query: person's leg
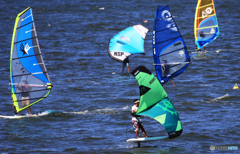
column 29, row 110
column 22, row 104
column 172, row 83
column 142, row 129
column 135, row 126
column 205, row 50
column 123, row 65
column 137, row 134
column 27, row 103
column 144, row 134
column 128, row 69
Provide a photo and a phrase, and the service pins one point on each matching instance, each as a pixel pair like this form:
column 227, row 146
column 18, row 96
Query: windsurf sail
column 30, row 82
column 205, row 25
column 127, row 42
column 154, row 102
column 169, row 50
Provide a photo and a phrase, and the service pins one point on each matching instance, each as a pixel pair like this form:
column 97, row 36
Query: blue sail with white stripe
column 127, row 42
column 169, row 50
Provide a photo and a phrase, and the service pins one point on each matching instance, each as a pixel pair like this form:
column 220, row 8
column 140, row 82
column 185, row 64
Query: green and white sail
column 26, row 64
column 154, row 102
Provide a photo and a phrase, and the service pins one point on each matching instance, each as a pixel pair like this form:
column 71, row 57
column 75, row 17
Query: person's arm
column 19, row 87
column 172, row 83
column 29, row 88
column 135, row 111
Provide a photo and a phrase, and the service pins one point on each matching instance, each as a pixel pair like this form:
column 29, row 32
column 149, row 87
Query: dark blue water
column 93, row 104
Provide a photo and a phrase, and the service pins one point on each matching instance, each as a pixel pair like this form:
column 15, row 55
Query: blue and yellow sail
column 205, row 25
column 169, row 50
column 127, row 42
column 154, row 102
column 27, row 68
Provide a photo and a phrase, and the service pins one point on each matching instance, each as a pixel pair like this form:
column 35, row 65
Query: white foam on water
column 79, row 112
column 221, row 97
column 100, row 111
column 206, row 85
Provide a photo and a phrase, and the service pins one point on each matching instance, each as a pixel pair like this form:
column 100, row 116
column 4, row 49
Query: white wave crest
column 221, row 97
column 106, row 110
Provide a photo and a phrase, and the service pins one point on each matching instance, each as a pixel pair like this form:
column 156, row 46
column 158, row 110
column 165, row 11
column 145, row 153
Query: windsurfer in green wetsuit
column 24, row 88
column 125, row 63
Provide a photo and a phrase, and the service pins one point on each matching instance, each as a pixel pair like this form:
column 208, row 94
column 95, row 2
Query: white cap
column 137, row 101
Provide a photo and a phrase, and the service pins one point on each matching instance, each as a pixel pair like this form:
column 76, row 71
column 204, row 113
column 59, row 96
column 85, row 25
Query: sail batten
column 207, row 27
column 30, row 82
column 25, row 25
column 168, row 46
column 27, row 56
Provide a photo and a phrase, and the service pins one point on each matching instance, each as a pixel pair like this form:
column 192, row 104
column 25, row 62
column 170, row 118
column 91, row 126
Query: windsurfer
column 166, row 68
column 202, row 35
column 24, row 88
column 125, row 63
column 136, row 121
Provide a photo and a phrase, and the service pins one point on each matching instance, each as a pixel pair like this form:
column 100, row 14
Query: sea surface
column 93, row 105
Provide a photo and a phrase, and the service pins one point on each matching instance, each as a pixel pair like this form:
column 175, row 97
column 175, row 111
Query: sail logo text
column 206, row 12
column 153, row 37
column 152, row 81
column 176, row 44
column 172, row 133
column 136, row 72
column 154, row 50
column 118, row 53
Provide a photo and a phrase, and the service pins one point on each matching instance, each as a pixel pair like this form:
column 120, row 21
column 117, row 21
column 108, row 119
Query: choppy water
column 93, row 104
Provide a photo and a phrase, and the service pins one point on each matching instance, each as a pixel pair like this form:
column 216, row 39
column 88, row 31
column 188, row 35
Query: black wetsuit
column 166, row 69
column 25, row 91
column 202, row 35
column 126, row 60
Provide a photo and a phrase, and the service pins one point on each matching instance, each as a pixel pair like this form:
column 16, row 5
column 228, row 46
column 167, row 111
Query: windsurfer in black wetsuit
column 202, row 35
column 166, row 68
column 24, row 88
column 125, row 63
